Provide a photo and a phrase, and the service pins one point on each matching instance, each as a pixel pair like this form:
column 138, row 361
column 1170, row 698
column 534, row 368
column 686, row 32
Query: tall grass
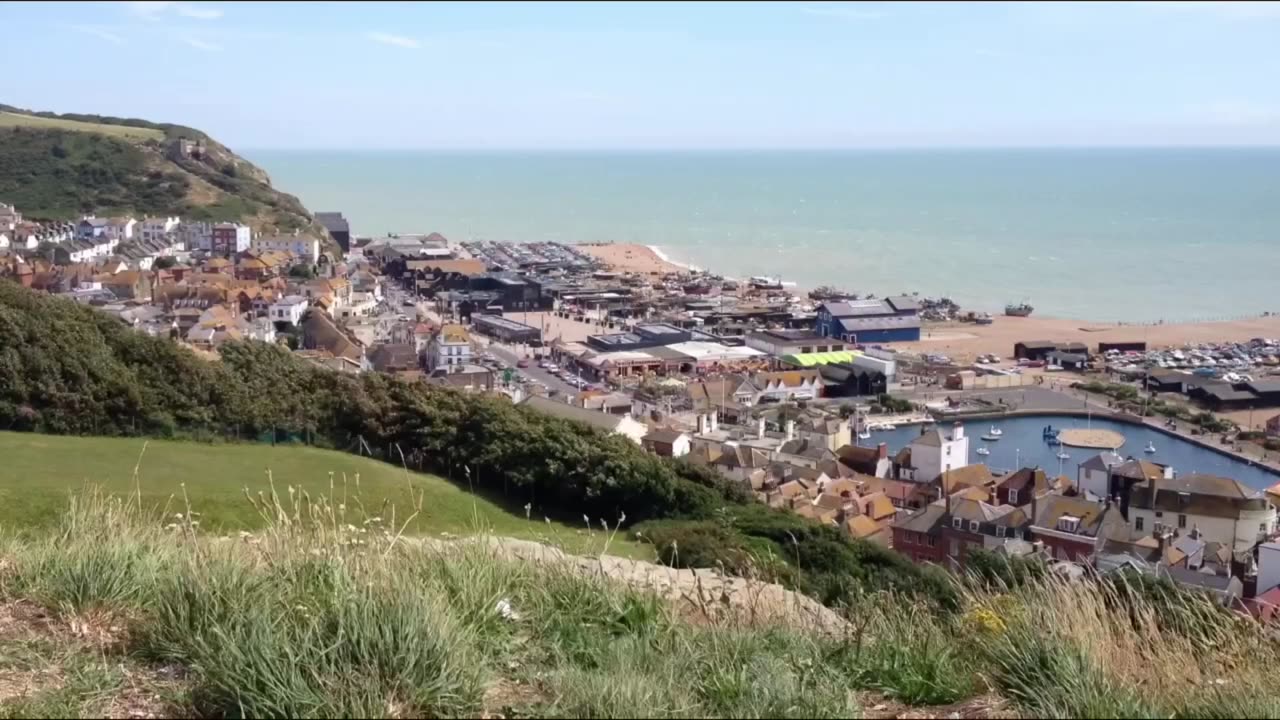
column 331, row 612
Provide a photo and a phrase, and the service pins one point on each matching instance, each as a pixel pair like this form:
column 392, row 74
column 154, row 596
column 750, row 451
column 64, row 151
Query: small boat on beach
column 983, row 451
column 995, row 431
column 1150, row 448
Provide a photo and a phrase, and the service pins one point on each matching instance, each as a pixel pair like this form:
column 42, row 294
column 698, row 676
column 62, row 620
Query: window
column 999, row 531
column 1159, row 514
column 1013, row 497
column 1262, row 527
column 973, row 526
column 930, row 540
column 1138, row 523
column 948, row 449
column 956, row 523
column 955, row 547
column 1182, row 522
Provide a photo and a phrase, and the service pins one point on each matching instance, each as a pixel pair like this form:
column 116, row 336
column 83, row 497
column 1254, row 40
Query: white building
column 1094, row 475
column 303, row 246
column 288, row 309
column 156, row 229
column 934, row 453
column 451, row 345
column 1224, row 510
column 119, row 229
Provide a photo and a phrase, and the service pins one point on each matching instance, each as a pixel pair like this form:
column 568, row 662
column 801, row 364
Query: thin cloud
column 389, row 39
column 843, row 11
column 1232, row 10
column 199, row 44
column 99, row 33
column 154, row 10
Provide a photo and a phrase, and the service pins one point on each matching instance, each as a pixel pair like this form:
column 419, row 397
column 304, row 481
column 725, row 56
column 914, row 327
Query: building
column 1093, row 476
column 1273, row 425
column 230, row 238
column 620, row 424
column 152, row 230
column 792, row 342
column 508, row 331
column 1072, row 528
column 450, row 345
column 1222, row 509
column 196, row 235
column 667, row 443
column 288, row 309
column 338, row 227
column 933, row 453
column 893, row 319
column 1034, row 349
column 305, row 247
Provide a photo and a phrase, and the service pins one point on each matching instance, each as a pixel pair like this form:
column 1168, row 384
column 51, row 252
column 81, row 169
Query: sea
column 1130, row 235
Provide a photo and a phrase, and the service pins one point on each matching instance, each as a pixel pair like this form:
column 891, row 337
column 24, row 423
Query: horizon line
column 887, row 148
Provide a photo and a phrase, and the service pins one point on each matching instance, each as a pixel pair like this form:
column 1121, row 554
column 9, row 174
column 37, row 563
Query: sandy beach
column 631, row 257
column 964, row 341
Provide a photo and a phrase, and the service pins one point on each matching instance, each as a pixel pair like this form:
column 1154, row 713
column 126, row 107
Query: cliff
column 61, row 166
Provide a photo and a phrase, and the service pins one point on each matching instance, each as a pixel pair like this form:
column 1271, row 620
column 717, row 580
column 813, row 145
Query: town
column 797, row 399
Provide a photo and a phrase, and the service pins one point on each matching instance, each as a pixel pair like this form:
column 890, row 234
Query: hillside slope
column 60, row 166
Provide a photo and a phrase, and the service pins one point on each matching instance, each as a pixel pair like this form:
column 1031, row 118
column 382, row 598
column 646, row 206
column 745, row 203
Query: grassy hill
column 60, row 166
column 40, row 471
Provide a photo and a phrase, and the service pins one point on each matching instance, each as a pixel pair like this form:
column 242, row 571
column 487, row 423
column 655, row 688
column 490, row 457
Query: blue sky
column 687, row 75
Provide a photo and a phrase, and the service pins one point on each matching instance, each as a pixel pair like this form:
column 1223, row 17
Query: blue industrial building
column 866, row 322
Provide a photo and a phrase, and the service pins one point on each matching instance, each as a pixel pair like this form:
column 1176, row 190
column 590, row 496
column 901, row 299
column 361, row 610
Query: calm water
column 1022, row 445
column 1134, row 235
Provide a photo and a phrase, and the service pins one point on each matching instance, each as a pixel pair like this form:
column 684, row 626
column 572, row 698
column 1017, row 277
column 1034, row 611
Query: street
column 509, row 357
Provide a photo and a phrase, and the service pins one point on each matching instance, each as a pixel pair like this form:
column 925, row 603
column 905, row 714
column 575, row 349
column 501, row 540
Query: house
column 393, row 358
column 288, row 310
column 865, row 528
column 91, row 227
column 422, row 333
column 919, row 535
column 303, row 246
column 873, row 461
column 933, row 453
column 319, row 332
column 893, row 319
column 1021, row 487
column 119, row 228
column 130, row 285
column 9, row 217
column 1093, row 476
column 666, row 443
column 450, row 345
column 229, row 239
column 468, row 378
column 619, row 424
column 157, row 229
column 792, row 342
column 1222, row 509
column 196, row 235
column 1073, row 528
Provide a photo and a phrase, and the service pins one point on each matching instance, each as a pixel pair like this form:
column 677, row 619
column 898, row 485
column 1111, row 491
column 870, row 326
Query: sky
column 641, row 76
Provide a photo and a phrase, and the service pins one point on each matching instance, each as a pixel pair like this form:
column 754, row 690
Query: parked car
column 522, row 363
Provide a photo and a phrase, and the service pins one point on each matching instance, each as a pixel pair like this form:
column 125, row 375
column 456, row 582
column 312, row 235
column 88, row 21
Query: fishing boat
column 1020, row 310
column 990, row 438
column 995, row 431
column 764, row 282
column 1150, row 448
column 983, row 451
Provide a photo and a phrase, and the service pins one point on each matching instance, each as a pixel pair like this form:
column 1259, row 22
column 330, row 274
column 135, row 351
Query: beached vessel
column 764, row 282
column 1020, row 310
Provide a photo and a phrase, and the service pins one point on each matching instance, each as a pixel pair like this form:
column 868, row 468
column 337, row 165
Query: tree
column 164, row 263
column 302, row 272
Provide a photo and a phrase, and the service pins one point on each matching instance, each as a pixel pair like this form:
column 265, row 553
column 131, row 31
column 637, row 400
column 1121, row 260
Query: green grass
column 9, row 119
column 38, row 472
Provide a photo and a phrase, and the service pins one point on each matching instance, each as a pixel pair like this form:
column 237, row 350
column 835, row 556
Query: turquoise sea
column 1131, row 235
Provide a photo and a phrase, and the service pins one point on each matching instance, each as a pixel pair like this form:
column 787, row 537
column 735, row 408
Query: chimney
column 1035, row 504
column 957, row 431
column 882, row 450
column 715, row 421
column 791, row 430
column 947, row 495
column 760, row 429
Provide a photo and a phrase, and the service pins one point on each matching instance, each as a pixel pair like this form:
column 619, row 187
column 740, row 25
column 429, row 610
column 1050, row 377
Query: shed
column 1034, row 349
column 1135, row 346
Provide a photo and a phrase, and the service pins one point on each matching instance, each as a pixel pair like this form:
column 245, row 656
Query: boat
column 1019, row 310
column 1063, row 456
column 764, row 282
column 995, row 431
column 1049, row 433
column 865, row 434
column 983, row 319
column 990, row 438
column 983, row 451
column 1150, row 448
column 888, row 426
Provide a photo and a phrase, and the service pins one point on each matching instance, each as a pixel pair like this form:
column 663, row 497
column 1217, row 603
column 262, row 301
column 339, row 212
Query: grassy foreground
column 38, row 472
column 314, row 617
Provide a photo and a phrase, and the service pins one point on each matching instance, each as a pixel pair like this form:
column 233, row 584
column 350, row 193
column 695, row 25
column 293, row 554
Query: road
column 507, row 355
